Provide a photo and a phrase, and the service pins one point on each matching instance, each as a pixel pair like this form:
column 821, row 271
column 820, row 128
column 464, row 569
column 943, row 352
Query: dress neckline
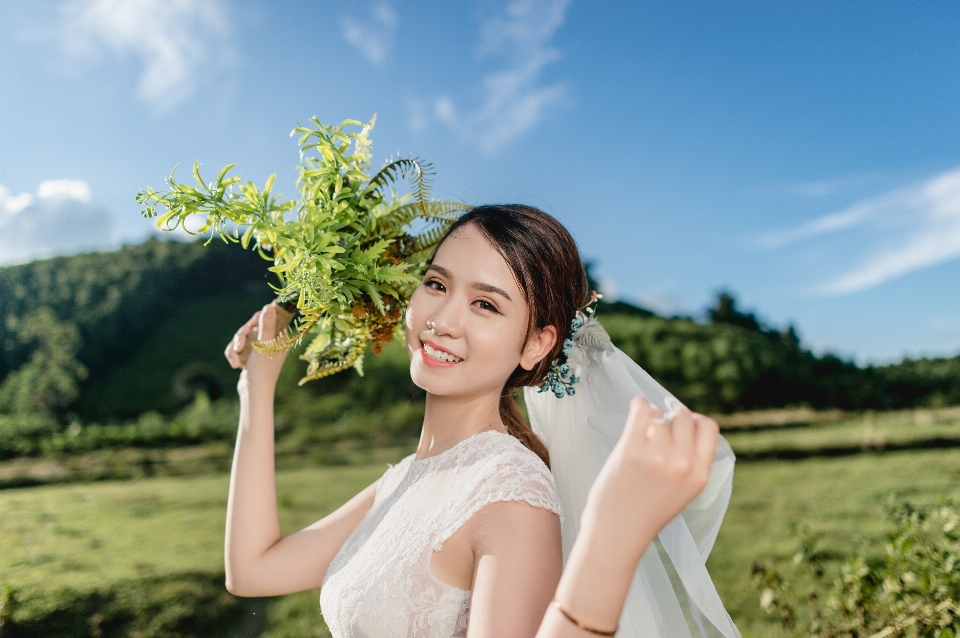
column 456, row 446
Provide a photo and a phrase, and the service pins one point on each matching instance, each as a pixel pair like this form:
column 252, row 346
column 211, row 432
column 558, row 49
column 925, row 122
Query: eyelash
column 438, row 285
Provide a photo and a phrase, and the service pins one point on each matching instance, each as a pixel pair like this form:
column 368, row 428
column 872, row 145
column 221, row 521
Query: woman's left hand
column 654, row 471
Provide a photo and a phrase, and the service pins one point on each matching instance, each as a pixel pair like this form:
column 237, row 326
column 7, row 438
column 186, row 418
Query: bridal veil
column 671, row 595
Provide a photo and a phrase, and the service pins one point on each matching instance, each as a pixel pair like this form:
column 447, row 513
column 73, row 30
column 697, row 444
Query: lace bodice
column 380, row 585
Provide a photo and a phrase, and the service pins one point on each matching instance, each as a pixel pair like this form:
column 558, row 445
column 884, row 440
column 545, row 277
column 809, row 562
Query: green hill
column 103, row 310
column 110, row 336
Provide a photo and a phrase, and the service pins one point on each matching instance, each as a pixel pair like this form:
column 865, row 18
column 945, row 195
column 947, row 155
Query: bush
column 913, row 589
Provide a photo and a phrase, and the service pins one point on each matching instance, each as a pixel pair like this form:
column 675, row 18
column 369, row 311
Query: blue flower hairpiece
column 560, row 378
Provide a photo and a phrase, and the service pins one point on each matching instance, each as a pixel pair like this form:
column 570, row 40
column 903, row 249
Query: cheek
column 500, row 346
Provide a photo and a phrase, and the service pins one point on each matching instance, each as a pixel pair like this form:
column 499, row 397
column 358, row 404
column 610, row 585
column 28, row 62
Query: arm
column 258, row 560
column 517, row 566
column 670, row 463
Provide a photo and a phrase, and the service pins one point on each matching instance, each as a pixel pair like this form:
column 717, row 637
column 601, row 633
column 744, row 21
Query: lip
column 430, row 361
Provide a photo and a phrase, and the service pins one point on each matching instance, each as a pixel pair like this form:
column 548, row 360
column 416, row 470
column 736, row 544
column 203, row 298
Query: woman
column 468, row 527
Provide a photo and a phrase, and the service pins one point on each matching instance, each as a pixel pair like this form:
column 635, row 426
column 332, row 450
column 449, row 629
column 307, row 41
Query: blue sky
column 804, row 155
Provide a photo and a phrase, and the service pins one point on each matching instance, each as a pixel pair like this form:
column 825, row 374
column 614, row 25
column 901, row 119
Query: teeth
column 439, row 355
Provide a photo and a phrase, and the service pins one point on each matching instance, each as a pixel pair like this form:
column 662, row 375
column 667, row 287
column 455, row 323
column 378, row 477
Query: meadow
column 144, row 556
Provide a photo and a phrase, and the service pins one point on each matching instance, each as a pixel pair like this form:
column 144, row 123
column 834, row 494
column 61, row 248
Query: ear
column 538, row 346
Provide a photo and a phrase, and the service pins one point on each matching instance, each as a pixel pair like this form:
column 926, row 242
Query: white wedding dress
column 380, row 585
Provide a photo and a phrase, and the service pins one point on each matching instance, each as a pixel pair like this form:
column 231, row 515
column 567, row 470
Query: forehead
column 468, row 254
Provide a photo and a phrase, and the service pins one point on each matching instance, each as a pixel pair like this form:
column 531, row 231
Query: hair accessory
column 566, row 614
column 560, row 378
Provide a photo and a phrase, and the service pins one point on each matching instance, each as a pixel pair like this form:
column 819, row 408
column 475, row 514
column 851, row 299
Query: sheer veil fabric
column 672, row 595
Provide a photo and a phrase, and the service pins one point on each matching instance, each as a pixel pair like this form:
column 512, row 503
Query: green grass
column 92, row 537
column 849, row 434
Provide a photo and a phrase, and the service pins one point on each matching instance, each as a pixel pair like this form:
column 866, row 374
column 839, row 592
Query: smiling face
column 466, row 325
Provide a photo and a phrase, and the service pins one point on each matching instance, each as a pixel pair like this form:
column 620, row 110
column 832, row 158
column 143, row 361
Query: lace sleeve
column 519, row 476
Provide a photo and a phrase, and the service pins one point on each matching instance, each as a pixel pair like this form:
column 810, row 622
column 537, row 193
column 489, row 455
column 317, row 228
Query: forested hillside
column 108, row 336
column 68, row 325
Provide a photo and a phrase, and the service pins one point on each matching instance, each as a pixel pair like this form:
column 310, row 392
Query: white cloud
column 919, row 227
column 514, row 99
column 75, row 189
column 57, row 220
column 173, row 39
column 374, row 36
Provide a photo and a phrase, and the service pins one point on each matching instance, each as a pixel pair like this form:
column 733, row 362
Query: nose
column 446, row 319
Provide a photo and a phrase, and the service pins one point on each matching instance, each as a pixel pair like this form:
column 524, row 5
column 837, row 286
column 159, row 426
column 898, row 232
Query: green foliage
column 181, row 356
column 349, row 255
column 913, row 589
column 712, row 367
column 50, row 381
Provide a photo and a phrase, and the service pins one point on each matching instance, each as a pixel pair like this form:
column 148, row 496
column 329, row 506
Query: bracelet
column 592, row 630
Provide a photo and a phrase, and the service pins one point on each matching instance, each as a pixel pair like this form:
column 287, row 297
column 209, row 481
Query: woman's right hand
column 259, row 368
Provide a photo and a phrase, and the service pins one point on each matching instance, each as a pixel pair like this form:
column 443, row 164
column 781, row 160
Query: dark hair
column 546, row 263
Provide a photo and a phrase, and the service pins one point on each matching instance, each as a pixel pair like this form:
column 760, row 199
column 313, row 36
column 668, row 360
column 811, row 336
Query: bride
column 468, row 536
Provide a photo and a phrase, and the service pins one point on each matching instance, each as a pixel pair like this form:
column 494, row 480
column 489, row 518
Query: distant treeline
column 106, row 337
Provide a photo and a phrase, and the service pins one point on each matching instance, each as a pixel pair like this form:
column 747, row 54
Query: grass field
column 90, row 536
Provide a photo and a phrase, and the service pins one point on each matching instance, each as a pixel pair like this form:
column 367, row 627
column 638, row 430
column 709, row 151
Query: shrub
column 913, row 589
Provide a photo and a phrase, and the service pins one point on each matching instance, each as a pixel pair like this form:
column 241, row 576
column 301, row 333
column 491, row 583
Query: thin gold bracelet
column 592, row 630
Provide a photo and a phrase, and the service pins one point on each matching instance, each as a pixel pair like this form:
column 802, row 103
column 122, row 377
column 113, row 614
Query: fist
column 657, row 467
column 262, row 326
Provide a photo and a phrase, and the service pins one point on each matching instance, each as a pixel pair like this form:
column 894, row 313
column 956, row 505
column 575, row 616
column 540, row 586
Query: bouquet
column 348, row 253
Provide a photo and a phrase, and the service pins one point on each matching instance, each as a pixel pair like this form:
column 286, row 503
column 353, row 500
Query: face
column 467, row 321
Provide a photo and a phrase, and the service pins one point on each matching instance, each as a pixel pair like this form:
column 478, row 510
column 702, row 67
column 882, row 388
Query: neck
column 450, row 420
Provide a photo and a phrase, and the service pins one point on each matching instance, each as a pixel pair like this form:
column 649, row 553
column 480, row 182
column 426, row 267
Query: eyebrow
column 477, row 285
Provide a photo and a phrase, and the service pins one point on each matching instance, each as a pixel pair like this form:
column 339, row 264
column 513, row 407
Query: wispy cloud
column 372, row 36
column 514, row 99
column 919, row 227
column 58, row 219
column 173, row 39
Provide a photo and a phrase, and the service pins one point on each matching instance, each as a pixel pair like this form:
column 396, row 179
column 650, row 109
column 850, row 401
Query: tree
column 725, row 311
column 49, row 382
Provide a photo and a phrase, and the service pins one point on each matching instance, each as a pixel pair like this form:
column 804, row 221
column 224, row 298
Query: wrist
column 622, row 542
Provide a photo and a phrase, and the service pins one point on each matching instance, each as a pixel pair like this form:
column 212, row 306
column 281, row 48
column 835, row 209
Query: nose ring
column 431, row 326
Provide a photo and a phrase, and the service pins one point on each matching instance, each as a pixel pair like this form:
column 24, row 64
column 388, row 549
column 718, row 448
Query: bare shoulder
column 503, row 525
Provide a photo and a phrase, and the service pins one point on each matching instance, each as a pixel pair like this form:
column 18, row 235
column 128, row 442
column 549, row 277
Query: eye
column 436, row 284
column 486, row 305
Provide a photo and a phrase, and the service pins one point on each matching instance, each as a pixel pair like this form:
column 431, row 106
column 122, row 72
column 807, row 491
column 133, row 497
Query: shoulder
column 499, row 470
column 512, row 472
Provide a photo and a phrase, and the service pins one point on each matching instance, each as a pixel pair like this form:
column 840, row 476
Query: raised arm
column 667, row 462
column 258, row 560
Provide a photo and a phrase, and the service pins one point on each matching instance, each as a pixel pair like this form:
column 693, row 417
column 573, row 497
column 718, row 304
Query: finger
column 706, row 438
column 233, row 357
column 267, row 328
column 240, row 338
column 684, row 431
column 638, row 419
